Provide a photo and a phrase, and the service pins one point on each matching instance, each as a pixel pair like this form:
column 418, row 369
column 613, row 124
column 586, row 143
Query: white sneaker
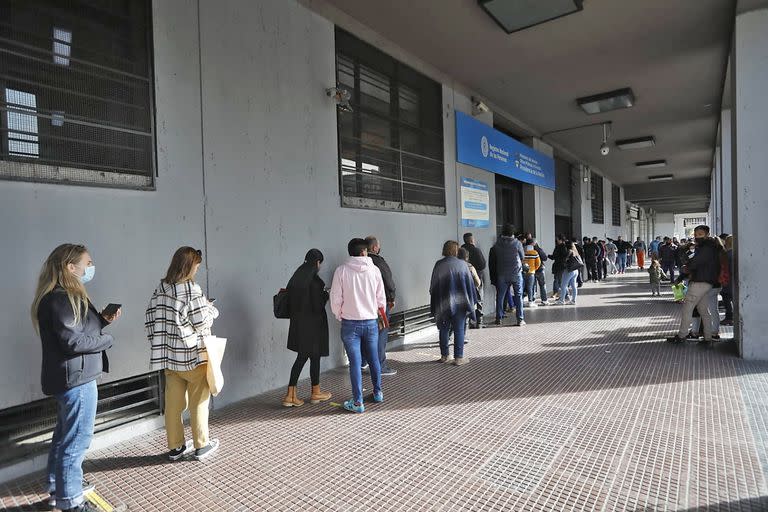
column 570, row 303
column 532, row 305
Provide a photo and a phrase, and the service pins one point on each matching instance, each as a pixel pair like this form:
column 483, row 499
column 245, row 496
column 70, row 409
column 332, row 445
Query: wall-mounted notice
column 479, row 145
column 474, row 204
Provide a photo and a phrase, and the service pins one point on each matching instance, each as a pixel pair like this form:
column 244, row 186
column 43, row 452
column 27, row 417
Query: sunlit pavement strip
column 585, row 408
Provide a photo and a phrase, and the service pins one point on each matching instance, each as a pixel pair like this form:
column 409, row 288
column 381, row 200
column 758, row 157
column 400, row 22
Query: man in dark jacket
column 541, row 280
column 668, row 257
column 476, row 257
column 374, row 252
column 624, row 250
column 703, row 281
column 591, row 251
column 505, row 262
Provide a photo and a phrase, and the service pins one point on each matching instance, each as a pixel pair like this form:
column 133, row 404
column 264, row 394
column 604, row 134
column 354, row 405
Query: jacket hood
column 360, row 264
column 507, row 240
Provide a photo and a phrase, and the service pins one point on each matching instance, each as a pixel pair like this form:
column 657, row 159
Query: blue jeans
column 381, row 347
column 457, row 323
column 71, row 439
column 669, row 269
column 361, row 336
column 530, row 280
column 541, row 280
column 621, row 262
column 569, row 280
column 517, row 296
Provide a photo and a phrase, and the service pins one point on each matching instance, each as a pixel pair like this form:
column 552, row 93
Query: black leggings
column 314, row 369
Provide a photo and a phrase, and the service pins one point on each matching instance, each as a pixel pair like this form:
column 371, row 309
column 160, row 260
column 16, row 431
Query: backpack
column 280, row 304
column 573, row 263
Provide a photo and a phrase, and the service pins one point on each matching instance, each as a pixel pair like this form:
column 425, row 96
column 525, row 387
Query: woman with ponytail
column 74, row 356
column 308, row 333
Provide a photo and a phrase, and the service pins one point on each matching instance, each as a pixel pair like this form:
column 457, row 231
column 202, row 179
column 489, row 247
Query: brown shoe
column 319, row 396
column 291, row 400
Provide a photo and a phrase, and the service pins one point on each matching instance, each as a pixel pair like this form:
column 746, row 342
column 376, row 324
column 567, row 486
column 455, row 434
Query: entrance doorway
column 509, row 203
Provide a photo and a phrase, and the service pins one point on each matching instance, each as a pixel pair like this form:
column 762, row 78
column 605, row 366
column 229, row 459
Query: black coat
column 72, row 354
column 386, row 276
column 308, row 332
column 476, row 257
column 560, row 254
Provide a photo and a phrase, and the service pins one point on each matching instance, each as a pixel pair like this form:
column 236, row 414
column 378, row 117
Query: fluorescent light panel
column 661, row 177
column 514, row 15
column 637, row 143
column 651, row 164
column 607, row 101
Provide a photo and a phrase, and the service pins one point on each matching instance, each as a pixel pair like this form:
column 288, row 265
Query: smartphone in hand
column 111, row 309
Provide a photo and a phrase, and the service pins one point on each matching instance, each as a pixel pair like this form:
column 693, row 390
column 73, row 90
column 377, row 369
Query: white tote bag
column 215, row 347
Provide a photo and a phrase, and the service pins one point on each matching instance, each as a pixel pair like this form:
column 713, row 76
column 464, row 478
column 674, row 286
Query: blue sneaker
column 378, row 397
column 350, row 406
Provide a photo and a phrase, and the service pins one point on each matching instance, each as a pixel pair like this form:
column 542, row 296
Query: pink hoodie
column 357, row 291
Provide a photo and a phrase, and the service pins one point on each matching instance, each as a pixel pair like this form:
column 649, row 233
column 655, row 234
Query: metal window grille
column 391, row 145
column 616, row 205
column 26, row 430
column 596, row 185
column 76, row 92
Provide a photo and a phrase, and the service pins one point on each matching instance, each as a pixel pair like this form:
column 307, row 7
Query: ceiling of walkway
column 672, row 54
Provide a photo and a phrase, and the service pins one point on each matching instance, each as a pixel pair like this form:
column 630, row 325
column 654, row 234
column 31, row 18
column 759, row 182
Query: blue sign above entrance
column 479, row 145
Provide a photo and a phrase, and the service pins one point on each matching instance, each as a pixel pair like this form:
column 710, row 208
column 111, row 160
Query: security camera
column 479, row 107
column 604, row 149
column 341, row 97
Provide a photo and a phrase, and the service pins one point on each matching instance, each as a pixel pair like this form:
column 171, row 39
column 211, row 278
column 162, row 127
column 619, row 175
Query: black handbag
column 280, row 304
column 573, row 263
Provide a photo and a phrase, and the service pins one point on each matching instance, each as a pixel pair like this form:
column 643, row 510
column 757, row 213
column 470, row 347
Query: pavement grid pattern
column 584, row 409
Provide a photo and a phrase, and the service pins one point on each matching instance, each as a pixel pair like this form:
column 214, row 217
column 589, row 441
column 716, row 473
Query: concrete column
column 750, row 181
column 726, row 173
column 717, row 194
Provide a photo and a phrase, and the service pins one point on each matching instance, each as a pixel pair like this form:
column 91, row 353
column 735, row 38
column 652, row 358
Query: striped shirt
column 178, row 318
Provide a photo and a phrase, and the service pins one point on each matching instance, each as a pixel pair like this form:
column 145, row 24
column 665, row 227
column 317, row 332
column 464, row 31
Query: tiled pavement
column 585, row 408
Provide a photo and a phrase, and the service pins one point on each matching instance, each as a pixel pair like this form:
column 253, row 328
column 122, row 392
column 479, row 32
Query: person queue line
column 362, row 295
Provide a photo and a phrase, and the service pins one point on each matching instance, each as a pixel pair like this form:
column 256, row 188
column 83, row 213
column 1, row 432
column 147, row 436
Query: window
column 76, row 89
column 596, row 185
column 616, row 205
column 391, row 145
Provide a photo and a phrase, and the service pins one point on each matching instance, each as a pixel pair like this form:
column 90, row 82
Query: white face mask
column 88, row 274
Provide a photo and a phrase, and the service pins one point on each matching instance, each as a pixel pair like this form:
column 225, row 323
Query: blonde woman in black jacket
column 74, row 356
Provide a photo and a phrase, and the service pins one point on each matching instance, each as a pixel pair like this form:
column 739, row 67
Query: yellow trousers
column 180, row 386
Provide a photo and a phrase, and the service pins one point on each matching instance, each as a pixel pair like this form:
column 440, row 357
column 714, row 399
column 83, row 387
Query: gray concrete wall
column 248, row 172
column 131, row 234
column 606, row 229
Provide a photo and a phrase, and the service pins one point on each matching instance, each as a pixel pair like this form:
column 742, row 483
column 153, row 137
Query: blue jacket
column 505, row 261
column 72, row 354
column 451, row 290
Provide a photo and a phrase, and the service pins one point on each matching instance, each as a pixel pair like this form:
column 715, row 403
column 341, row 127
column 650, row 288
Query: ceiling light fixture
column 513, row 15
column 637, row 143
column 607, row 101
column 661, row 177
column 651, row 164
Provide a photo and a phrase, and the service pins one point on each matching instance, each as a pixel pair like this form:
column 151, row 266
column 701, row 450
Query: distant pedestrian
column 506, row 266
column 640, row 248
column 656, row 275
column 452, row 299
